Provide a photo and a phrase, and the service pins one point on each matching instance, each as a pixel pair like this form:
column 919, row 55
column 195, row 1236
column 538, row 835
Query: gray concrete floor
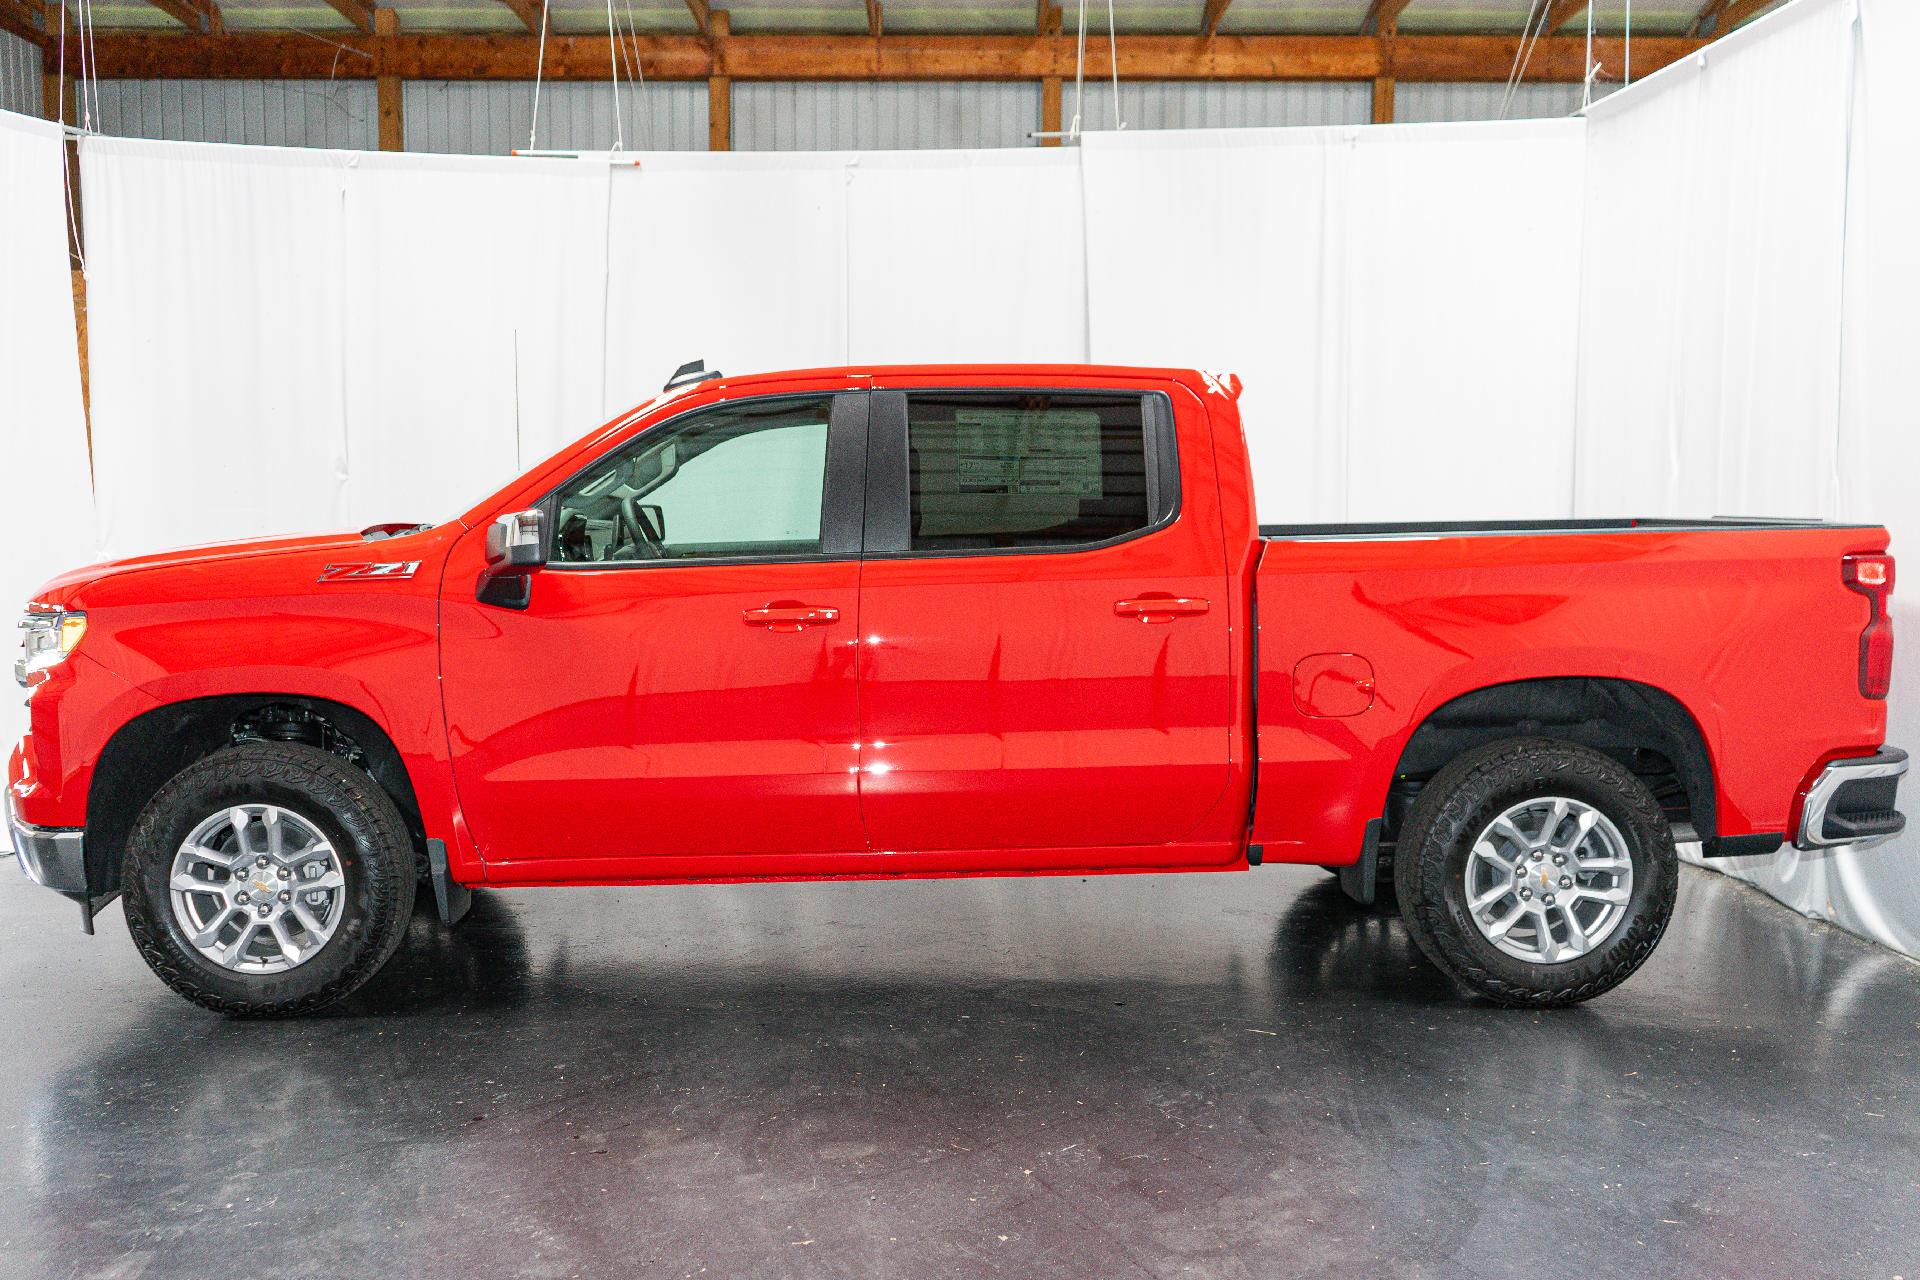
column 1236, row 1075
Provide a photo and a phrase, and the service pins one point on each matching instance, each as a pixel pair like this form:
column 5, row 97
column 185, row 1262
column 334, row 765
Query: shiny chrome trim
column 1890, row 763
column 52, row 857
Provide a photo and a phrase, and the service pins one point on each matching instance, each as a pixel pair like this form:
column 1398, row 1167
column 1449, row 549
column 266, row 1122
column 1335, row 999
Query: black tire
column 342, row 803
column 1431, row 857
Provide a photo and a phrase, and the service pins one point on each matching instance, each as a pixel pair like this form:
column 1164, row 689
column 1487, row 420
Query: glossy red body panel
column 986, row 714
column 1751, row 630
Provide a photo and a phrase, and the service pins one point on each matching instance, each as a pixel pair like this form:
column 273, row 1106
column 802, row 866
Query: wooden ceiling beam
column 1210, row 21
column 358, row 12
column 1382, row 16
column 260, row 55
column 876, row 23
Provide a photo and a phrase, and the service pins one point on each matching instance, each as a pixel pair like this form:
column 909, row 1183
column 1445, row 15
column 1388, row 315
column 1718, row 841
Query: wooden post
column 80, row 335
column 720, row 87
column 1383, row 83
column 386, row 89
column 1050, row 109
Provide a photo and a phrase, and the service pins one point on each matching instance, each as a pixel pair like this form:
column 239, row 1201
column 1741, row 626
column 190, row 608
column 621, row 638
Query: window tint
column 1024, row 470
column 732, row 481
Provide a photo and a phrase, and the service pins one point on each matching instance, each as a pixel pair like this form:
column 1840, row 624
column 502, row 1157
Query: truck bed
column 1743, row 628
column 1487, row 528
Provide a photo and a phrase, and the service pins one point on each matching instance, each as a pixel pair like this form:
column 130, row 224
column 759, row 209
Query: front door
column 679, row 695
column 1046, row 668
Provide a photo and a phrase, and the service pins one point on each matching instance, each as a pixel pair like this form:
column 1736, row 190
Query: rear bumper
column 54, row 857
column 1852, row 802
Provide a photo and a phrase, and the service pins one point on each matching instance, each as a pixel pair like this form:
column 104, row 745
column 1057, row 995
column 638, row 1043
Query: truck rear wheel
column 268, row 879
column 1538, row 873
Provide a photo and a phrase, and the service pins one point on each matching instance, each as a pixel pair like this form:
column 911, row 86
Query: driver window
column 745, row 480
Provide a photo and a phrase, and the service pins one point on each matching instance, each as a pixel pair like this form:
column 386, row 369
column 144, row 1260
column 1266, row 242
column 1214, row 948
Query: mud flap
column 1361, row 880
column 452, row 900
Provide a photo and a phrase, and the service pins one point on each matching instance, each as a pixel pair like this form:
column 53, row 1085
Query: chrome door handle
column 788, row 618
column 1161, row 608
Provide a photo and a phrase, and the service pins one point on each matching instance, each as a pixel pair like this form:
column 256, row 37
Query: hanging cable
column 1079, row 74
column 1627, row 76
column 640, row 74
column 539, row 72
column 1587, row 68
column 1113, row 62
column 613, row 61
column 1529, row 37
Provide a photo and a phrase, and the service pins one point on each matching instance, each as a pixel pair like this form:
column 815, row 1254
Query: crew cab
column 942, row 621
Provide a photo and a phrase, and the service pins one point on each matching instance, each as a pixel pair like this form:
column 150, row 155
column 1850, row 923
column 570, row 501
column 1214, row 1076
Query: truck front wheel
column 268, row 879
column 1537, row 873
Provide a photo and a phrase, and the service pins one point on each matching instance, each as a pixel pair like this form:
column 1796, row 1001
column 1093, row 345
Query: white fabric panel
column 1361, row 282
column 966, row 255
column 740, row 260
column 1716, row 198
column 43, row 485
column 1463, row 280
column 216, row 334
column 1877, row 452
column 475, row 291
column 1746, row 332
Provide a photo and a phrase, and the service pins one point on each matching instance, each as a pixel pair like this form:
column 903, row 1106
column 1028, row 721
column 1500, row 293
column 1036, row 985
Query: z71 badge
column 373, row 569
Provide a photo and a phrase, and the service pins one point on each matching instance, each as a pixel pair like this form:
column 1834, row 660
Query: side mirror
column 518, row 541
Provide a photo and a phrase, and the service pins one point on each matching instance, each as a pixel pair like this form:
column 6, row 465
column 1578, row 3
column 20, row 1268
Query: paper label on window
column 1025, row 451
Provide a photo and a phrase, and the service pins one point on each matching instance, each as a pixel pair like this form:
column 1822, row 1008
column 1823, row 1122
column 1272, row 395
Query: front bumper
column 1852, row 802
column 54, row 857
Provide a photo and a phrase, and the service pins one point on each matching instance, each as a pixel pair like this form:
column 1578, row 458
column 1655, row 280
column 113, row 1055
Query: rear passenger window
column 1018, row 470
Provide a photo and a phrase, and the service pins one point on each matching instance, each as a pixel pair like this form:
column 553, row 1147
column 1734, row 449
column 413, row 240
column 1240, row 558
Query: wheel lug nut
column 1548, row 899
column 285, row 896
column 1559, row 859
column 266, row 910
column 1526, row 893
column 240, row 897
column 1566, row 882
column 260, row 862
column 283, row 873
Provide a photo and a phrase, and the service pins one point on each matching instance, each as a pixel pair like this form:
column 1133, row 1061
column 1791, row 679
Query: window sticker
column 1028, row 451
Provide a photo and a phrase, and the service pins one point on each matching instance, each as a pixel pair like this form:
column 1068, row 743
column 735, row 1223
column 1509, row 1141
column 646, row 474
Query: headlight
column 46, row 640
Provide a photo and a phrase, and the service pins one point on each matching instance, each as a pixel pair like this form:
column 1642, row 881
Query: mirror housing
column 518, row 540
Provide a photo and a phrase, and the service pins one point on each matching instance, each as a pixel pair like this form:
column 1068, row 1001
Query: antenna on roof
column 691, row 371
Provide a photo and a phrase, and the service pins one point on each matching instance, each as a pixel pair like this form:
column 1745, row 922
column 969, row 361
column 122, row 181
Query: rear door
column 1045, row 624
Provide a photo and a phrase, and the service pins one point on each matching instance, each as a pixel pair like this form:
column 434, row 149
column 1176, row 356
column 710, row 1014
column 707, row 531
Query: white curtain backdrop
column 43, row 429
column 1696, row 301
column 1747, row 332
column 1399, row 302
column 216, row 329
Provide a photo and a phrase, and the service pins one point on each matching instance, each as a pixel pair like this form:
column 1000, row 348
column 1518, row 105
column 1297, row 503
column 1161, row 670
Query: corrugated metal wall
column 1218, row 104
column 19, row 75
column 1424, row 103
column 491, row 117
column 474, row 117
column 888, row 115
column 275, row 113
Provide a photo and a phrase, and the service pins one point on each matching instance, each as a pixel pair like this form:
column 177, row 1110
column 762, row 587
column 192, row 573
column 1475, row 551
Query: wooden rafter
column 202, row 17
column 1560, row 13
column 262, row 55
column 702, row 16
column 19, row 18
column 1216, row 10
column 876, row 24
column 1738, row 11
column 528, row 11
column 358, row 12
column 1709, row 13
column 1382, row 15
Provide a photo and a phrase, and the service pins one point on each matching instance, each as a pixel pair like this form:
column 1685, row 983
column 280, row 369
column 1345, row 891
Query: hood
column 59, row 589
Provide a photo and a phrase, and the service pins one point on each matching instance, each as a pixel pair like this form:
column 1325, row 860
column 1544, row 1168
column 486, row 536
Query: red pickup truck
column 941, row 621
